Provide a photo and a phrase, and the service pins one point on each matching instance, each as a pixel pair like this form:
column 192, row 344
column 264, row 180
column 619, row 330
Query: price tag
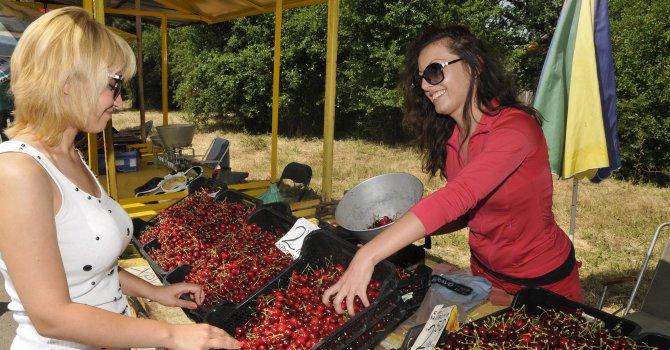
column 291, row 242
column 432, row 331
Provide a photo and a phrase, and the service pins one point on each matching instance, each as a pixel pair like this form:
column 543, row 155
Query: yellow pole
column 140, row 72
column 275, row 91
column 329, row 103
column 92, row 138
column 97, row 10
column 164, row 62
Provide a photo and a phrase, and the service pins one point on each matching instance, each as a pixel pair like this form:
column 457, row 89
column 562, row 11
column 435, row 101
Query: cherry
column 549, row 329
column 383, row 221
column 229, row 257
column 293, row 317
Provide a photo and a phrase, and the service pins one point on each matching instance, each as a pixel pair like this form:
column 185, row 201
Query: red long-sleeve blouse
column 505, row 188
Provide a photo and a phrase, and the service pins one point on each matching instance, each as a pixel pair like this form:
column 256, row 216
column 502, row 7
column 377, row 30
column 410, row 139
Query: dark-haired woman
column 473, row 130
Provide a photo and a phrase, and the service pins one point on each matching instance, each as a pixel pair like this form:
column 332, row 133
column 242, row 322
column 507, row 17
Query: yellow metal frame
column 275, row 91
column 185, row 10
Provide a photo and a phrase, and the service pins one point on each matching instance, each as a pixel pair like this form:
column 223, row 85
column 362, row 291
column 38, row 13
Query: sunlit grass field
column 614, row 224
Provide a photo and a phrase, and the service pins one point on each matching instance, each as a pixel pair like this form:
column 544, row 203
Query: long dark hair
column 488, row 76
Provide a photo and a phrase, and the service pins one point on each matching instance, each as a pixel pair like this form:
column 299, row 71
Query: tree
column 223, row 72
column 641, row 44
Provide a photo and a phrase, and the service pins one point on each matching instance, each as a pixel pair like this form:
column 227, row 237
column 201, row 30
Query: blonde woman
column 60, row 233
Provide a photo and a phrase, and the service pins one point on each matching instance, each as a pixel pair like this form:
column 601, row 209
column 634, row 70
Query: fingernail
column 194, row 306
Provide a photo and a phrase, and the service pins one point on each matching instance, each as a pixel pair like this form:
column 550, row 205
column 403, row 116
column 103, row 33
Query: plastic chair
column 654, row 314
column 298, row 173
column 218, row 154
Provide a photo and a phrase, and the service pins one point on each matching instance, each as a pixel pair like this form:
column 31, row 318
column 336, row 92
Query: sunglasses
column 433, row 74
column 116, row 86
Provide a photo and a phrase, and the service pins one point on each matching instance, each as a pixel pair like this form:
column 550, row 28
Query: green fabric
column 551, row 97
column 272, row 195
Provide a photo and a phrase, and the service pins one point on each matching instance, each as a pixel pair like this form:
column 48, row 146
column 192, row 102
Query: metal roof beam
column 157, row 14
column 252, row 4
column 180, row 6
column 263, row 9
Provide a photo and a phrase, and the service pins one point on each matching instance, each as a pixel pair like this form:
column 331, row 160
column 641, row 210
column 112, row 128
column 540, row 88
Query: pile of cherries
column 294, row 317
column 229, row 258
column 551, row 329
column 402, row 273
column 383, row 221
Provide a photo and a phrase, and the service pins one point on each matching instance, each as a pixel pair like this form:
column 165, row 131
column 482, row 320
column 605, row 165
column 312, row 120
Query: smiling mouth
column 437, row 94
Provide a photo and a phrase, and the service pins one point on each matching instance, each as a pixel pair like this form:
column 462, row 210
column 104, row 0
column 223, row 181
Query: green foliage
column 373, row 39
column 151, row 60
column 641, row 46
column 222, row 73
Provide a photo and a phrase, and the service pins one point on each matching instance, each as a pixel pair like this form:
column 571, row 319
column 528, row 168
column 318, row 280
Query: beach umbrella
column 576, row 95
column 14, row 19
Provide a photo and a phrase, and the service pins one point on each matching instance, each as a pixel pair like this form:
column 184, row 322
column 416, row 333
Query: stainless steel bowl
column 390, row 194
column 176, row 135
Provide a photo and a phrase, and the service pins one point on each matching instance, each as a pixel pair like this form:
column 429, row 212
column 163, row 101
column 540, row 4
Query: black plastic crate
column 659, row 341
column 209, row 184
column 226, row 195
column 534, row 301
column 266, row 218
column 407, row 256
column 413, row 289
column 138, row 226
column 362, row 331
column 200, row 183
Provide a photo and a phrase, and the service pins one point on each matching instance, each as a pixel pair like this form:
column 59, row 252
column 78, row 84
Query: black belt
column 550, row 277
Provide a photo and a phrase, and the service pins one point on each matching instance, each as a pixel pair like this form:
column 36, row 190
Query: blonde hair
column 64, row 48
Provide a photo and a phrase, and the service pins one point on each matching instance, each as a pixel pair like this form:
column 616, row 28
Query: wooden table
column 136, row 265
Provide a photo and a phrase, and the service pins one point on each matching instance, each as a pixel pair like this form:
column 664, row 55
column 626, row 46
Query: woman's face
column 449, row 95
column 104, row 108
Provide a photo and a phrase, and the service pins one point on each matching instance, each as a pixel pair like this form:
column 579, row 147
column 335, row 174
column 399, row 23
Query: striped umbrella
column 577, row 96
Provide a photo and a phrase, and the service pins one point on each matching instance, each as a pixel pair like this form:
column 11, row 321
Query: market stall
column 186, row 12
column 240, row 250
column 391, row 328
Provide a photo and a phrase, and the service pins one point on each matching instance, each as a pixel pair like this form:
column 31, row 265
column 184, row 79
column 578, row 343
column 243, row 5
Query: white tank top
column 92, row 233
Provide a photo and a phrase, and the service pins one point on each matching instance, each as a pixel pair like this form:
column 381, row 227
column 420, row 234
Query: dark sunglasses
column 116, row 86
column 433, row 73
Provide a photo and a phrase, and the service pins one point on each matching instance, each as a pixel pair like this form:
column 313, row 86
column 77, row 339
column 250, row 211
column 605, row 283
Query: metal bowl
column 176, row 135
column 389, row 195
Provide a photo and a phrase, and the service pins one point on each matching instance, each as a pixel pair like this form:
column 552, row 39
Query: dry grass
column 614, row 225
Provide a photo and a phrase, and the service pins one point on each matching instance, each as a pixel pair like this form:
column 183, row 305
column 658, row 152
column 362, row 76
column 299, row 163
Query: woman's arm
column 29, row 247
column 355, row 279
column 507, row 146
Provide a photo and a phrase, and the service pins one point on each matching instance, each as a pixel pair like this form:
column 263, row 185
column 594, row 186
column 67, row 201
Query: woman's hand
column 169, row 295
column 201, row 336
column 354, row 282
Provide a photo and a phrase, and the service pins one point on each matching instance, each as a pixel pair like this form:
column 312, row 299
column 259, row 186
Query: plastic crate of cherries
column 540, row 319
column 289, row 313
column 225, row 245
